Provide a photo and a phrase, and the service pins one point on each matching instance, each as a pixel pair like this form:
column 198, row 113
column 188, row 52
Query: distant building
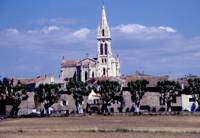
column 105, row 65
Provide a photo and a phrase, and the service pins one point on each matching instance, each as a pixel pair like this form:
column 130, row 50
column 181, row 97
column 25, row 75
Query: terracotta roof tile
column 69, row 63
column 152, row 79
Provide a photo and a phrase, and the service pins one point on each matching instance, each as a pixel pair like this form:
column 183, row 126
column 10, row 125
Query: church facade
column 104, row 65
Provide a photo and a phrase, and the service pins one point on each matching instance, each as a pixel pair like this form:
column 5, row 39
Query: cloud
column 153, row 49
column 135, row 28
column 167, row 29
column 137, row 31
column 12, row 31
column 56, row 21
column 82, row 33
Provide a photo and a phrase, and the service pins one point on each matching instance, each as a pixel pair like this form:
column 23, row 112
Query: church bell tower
column 104, row 52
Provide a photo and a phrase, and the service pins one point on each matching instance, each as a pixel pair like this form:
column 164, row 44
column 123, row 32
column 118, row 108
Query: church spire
column 103, row 29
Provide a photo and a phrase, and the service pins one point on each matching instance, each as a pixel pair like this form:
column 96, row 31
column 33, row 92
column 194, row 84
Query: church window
column 102, row 60
column 105, row 60
column 103, row 32
column 101, row 49
column 104, row 71
column 106, row 49
column 92, row 74
column 86, row 76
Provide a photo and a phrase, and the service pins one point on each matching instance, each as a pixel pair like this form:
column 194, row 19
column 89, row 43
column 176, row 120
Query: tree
column 137, row 89
column 79, row 89
column 169, row 90
column 11, row 94
column 47, row 94
column 108, row 90
column 193, row 88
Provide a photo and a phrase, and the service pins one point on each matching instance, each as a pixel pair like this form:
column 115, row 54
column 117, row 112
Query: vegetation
column 193, row 88
column 169, row 90
column 79, row 89
column 137, row 89
column 108, row 90
column 11, row 94
column 47, row 94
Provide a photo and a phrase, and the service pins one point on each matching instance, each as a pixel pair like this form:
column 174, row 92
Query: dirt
column 102, row 126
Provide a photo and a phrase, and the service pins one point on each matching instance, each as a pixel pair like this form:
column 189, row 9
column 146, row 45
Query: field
column 102, row 126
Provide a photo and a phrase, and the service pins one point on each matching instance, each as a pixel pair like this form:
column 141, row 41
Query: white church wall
column 68, row 72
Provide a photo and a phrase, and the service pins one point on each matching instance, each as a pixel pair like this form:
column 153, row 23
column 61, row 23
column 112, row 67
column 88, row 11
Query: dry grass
column 103, row 126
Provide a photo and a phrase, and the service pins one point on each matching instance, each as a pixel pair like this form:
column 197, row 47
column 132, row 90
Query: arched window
column 101, row 49
column 93, row 74
column 106, row 49
column 86, row 76
column 104, row 71
column 105, row 60
column 103, row 32
column 102, row 60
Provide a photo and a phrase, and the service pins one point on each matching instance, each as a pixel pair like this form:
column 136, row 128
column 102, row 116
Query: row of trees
column 168, row 89
column 110, row 90
column 48, row 94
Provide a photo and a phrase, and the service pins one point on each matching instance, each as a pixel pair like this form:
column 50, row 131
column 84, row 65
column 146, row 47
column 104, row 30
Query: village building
column 104, row 65
column 152, row 100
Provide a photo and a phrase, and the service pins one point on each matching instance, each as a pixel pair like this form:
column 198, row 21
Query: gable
column 87, row 61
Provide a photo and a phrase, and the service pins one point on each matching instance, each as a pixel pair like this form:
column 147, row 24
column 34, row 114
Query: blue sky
column 154, row 36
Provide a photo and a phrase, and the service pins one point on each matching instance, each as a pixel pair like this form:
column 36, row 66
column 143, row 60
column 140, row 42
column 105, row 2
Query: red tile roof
column 151, row 79
column 69, row 63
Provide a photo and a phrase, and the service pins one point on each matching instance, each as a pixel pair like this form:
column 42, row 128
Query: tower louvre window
column 104, row 71
column 103, row 32
column 106, row 49
column 101, row 49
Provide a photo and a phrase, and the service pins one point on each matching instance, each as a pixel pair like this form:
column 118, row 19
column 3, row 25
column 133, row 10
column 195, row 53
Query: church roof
column 69, row 63
column 88, row 58
column 103, row 29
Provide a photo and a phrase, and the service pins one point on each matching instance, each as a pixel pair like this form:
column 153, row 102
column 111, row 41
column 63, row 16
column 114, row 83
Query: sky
column 155, row 37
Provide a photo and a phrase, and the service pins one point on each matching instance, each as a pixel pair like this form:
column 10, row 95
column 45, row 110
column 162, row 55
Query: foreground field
column 102, row 126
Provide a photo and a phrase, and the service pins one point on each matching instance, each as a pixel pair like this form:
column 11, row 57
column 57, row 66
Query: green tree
column 47, row 94
column 108, row 90
column 79, row 89
column 193, row 88
column 137, row 89
column 169, row 90
column 13, row 95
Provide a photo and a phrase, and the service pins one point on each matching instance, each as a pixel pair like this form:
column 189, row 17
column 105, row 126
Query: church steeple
column 103, row 29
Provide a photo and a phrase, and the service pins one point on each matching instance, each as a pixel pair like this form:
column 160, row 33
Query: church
column 104, row 65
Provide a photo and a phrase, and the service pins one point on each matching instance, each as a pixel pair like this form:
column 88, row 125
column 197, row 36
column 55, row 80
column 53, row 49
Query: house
column 152, row 100
column 189, row 103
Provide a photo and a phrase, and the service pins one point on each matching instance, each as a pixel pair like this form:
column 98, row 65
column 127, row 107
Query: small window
column 102, row 60
column 64, row 103
column 191, row 99
column 105, row 60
